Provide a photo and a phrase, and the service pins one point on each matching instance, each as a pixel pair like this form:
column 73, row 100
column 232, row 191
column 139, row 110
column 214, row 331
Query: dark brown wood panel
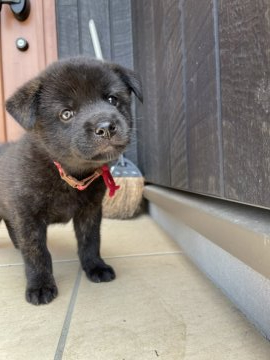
column 121, row 32
column 162, row 150
column 99, row 12
column 179, row 63
column 203, row 136
column 113, row 23
column 173, row 95
column 143, row 40
column 67, row 28
column 122, row 51
column 245, row 85
column 157, row 44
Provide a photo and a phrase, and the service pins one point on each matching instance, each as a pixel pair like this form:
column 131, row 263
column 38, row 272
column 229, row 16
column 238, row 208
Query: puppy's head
column 79, row 110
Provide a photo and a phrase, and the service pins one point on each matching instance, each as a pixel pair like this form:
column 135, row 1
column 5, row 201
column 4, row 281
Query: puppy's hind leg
column 12, row 234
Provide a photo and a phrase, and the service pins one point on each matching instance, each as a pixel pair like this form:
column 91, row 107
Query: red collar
column 83, row 184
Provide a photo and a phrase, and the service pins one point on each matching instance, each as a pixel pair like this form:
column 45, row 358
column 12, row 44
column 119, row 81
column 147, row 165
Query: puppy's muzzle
column 106, row 129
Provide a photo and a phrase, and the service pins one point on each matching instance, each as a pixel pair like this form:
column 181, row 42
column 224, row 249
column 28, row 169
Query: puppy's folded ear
column 22, row 105
column 130, row 78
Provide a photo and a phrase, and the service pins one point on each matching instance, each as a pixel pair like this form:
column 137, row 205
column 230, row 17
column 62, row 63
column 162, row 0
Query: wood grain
column 122, row 52
column 245, row 85
column 67, row 28
column 157, row 41
column 175, row 96
column 201, row 98
column 121, row 32
column 162, row 124
column 99, row 12
column 144, row 50
column 178, row 52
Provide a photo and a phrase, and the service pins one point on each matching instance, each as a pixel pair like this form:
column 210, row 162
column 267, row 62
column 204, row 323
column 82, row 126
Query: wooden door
column 205, row 66
column 16, row 67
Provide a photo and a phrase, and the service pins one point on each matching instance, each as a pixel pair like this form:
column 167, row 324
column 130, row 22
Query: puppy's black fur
column 64, row 110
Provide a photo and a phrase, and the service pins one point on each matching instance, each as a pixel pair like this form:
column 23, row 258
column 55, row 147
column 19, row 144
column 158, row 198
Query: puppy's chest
column 62, row 207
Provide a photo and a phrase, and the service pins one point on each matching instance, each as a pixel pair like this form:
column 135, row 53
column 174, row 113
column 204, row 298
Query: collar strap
column 83, row 184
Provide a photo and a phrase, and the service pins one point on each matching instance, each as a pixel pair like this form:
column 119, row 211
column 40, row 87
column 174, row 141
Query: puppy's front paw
column 100, row 273
column 42, row 295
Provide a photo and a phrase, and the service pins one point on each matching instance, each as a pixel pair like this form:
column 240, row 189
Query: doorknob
column 20, row 8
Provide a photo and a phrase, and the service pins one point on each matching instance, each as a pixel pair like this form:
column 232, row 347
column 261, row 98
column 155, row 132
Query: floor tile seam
column 10, row 265
column 54, row 262
column 139, row 255
column 66, row 325
column 104, row 257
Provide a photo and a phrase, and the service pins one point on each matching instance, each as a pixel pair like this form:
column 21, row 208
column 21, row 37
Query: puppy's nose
column 106, row 129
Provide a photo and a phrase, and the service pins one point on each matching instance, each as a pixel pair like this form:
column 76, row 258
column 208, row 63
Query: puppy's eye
column 113, row 100
column 66, row 114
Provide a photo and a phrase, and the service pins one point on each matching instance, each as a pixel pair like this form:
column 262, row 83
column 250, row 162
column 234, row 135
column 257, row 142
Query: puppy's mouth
column 105, row 155
column 109, row 154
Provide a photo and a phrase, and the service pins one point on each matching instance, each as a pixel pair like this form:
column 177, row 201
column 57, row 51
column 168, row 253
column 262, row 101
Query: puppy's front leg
column 41, row 288
column 87, row 229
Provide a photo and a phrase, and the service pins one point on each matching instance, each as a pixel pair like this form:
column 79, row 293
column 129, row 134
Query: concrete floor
column 160, row 305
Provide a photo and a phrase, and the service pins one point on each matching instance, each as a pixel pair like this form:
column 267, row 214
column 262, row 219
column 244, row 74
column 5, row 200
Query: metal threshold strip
column 241, row 230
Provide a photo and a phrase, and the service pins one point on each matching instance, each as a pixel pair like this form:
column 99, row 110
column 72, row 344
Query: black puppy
column 78, row 118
